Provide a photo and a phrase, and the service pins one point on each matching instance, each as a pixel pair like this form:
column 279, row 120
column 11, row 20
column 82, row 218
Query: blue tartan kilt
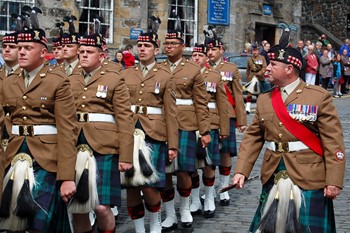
column 159, row 155
column 186, row 157
column 52, row 214
column 213, row 148
column 316, row 212
column 108, row 176
column 229, row 144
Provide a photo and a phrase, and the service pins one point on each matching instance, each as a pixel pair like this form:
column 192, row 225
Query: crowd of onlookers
column 322, row 64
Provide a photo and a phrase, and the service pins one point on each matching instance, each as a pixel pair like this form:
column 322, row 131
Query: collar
column 203, row 69
column 8, row 68
column 149, row 67
column 176, row 63
column 73, row 64
column 290, row 87
column 34, row 72
column 92, row 72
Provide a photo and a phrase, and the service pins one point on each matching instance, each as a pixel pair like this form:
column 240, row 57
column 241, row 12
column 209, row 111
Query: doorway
column 265, row 32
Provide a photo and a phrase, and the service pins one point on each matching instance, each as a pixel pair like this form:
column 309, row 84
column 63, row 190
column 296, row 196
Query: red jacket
column 311, row 64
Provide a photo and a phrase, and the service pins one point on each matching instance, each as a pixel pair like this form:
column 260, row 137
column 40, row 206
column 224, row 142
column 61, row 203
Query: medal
column 157, row 88
column 101, row 91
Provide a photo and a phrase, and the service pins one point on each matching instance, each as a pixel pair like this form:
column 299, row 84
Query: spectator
column 263, row 43
column 331, row 52
column 119, row 58
column 345, row 46
column 311, row 66
column 129, row 58
column 326, row 69
column 345, row 61
column 264, row 51
column 247, row 48
column 300, row 48
column 323, row 39
column 317, row 51
column 336, row 76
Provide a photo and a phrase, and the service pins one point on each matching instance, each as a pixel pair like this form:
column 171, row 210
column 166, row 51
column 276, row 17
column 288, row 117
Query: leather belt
column 286, row 146
column 32, row 130
column 146, row 110
column 95, row 117
column 184, row 102
column 212, row 105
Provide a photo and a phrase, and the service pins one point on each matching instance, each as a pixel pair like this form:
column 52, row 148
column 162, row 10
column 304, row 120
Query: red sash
column 293, row 126
column 229, row 97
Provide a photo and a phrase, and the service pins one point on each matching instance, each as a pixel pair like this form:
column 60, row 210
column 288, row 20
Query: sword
column 232, row 186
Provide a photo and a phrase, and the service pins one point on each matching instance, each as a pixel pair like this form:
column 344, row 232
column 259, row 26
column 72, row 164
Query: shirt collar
column 73, row 64
column 34, row 72
column 149, row 67
column 290, row 87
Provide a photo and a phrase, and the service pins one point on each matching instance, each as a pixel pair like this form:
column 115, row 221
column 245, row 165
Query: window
column 8, row 7
column 185, row 11
column 91, row 9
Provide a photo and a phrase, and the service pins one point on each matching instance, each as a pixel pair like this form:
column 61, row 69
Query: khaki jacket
column 110, row 65
column 219, row 116
column 256, row 67
column 236, row 91
column 306, row 169
column 47, row 101
column 105, row 137
column 156, row 89
column 190, row 85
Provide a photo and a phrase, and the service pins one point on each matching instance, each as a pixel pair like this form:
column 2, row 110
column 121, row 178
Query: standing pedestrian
column 311, row 66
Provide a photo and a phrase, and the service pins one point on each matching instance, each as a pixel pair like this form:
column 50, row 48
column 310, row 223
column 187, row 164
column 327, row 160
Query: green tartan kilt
column 316, row 213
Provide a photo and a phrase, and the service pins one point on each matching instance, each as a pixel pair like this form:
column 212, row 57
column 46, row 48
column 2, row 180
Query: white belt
column 212, row 105
column 146, row 110
column 95, row 117
column 184, row 102
column 31, row 130
column 286, row 146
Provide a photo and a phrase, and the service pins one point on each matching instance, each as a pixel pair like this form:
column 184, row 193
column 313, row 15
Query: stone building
column 235, row 21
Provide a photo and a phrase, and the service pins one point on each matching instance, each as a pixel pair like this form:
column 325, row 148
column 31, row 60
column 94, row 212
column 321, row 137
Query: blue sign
column 219, row 12
column 134, row 33
column 267, row 10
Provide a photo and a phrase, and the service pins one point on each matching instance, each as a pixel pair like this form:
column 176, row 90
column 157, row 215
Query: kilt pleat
column 229, row 144
column 213, row 148
column 187, row 151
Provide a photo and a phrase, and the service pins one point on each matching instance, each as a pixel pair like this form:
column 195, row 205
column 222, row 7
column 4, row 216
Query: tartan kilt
column 186, row 159
column 316, row 212
column 52, row 214
column 108, row 176
column 213, row 148
column 229, row 144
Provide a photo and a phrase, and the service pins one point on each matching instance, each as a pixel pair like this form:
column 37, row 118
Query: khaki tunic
column 47, row 101
column 105, row 137
column 306, row 168
column 190, row 85
column 219, row 116
column 143, row 92
column 235, row 89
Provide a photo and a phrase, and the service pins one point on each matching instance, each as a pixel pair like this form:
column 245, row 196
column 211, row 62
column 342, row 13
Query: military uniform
column 110, row 65
column 256, row 67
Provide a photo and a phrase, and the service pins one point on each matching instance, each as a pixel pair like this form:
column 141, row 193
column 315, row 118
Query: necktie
column 284, row 93
column 10, row 71
column 172, row 67
column 144, row 71
column 26, row 81
column 87, row 77
column 69, row 70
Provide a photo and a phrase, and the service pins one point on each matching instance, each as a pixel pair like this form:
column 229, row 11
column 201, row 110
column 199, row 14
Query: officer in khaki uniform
column 255, row 67
column 231, row 77
column 152, row 95
column 43, row 133
column 70, row 45
column 314, row 166
column 105, row 124
column 219, row 128
column 57, row 50
column 192, row 115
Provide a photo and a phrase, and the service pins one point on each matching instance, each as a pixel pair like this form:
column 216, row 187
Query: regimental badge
column 157, row 88
column 339, row 155
column 102, row 91
column 226, row 76
column 74, row 38
column 281, row 54
column 37, row 35
column 302, row 113
column 98, row 40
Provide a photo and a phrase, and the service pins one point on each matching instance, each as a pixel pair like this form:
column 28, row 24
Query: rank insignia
column 339, row 155
column 102, row 91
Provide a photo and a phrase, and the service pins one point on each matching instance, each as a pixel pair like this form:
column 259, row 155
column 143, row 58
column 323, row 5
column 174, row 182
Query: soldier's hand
column 124, row 166
column 67, row 190
column 239, row 180
column 205, row 140
column 242, row 128
column 331, row 191
column 172, row 155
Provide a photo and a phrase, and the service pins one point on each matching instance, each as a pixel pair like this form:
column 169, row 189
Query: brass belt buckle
column 141, row 109
column 83, row 116
column 281, row 146
column 26, row 130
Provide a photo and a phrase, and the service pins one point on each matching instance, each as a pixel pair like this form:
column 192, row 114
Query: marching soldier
column 231, row 77
column 303, row 166
column 152, row 94
column 256, row 67
column 105, row 126
column 192, row 115
column 70, row 45
column 57, row 50
column 41, row 148
column 219, row 128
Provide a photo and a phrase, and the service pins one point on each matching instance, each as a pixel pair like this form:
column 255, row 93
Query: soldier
column 70, row 45
column 256, row 67
column 303, row 166
column 219, row 128
column 153, row 102
column 105, row 125
column 192, row 115
column 57, row 50
column 10, row 54
column 231, row 77
column 42, row 150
